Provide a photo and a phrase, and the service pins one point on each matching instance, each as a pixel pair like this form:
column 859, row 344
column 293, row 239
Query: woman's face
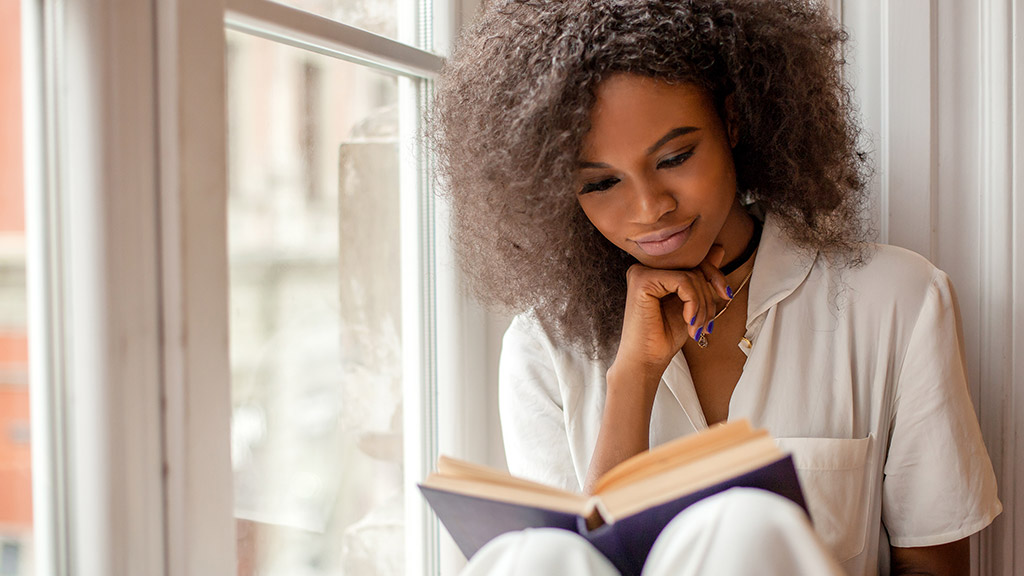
column 656, row 175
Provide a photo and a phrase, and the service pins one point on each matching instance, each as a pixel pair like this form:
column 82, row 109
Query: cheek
column 716, row 181
column 726, row 172
column 596, row 216
column 605, row 216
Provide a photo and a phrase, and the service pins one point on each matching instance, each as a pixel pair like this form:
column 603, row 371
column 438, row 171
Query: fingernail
column 711, row 327
column 728, row 292
column 697, row 335
column 693, row 320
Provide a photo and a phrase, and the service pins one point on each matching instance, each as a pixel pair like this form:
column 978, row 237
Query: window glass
column 392, row 18
column 15, row 456
column 315, row 312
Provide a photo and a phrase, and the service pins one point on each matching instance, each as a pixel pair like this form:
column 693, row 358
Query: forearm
column 654, row 329
column 626, row 421
column 951, row 559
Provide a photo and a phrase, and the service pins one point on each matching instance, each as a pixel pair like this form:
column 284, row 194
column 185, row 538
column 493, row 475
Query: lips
column 664, row 241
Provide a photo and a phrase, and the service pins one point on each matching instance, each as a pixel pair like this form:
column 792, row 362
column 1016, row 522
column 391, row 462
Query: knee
column 741, row 531
column 747, row 513
column 758, row 510
column 539, row 551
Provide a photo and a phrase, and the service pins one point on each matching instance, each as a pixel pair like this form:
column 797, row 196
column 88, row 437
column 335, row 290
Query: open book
column 632, row 502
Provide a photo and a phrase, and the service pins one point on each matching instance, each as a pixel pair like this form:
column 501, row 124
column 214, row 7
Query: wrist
column 633, row 383
column 635, row 374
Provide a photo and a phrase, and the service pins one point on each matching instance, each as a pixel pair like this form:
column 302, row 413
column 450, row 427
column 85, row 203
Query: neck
column 748, row 253
column 739, row 238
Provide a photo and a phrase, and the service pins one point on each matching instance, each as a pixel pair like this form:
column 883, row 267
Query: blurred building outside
column 15, row 456
column 313, row 149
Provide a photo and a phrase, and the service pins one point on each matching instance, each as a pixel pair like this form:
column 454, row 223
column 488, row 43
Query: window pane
column 395, row 19
column 315, row 312
column 15, row 456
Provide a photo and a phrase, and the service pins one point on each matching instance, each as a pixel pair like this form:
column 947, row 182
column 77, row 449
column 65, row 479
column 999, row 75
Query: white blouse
column 859, row 372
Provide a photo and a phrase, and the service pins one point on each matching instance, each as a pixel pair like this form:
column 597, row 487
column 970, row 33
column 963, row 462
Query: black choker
column 740, row 260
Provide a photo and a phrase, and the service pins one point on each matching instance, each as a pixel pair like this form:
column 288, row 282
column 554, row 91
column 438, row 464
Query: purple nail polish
column 711, row 327
column 697, row 335
column 728, row 292
column 693, row 320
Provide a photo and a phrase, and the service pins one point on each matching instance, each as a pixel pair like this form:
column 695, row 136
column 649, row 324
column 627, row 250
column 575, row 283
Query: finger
column 694, row 318
column 691, row 303
column 716, row 280
column 698, row 310
column 710, row 268
column 711, row 311
column 675, row 319
column 710, row 304
column 691, row 311
column 715, row 256
column 647, row 286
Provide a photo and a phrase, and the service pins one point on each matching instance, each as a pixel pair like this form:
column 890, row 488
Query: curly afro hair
column 513, row 105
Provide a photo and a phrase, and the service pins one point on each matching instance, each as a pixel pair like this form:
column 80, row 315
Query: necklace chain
column 703, row 340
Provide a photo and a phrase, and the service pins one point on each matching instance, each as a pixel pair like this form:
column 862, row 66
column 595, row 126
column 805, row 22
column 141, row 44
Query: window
column 384, row 17
column 240, row 284
column 315, row 152
column 331, row 291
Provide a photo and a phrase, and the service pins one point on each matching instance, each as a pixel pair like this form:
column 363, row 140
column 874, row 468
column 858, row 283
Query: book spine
column 608, row 539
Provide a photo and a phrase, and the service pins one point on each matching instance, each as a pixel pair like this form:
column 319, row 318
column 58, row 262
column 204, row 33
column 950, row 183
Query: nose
column 651, row 201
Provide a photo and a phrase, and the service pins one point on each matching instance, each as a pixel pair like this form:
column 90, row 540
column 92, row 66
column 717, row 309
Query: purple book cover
column 473, row 522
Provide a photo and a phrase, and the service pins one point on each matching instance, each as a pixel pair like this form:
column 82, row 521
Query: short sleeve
column 939, row 485
column 530, row 404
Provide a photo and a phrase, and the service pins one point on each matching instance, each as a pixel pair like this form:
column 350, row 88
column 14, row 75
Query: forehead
column 631, row 109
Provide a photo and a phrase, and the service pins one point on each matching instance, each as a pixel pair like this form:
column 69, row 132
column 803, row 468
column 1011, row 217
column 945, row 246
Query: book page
column 677, row 453
column 671, row 484
column 563, row 502
column 455, row 468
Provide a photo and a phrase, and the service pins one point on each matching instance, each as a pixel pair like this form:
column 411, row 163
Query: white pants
column 739, row 531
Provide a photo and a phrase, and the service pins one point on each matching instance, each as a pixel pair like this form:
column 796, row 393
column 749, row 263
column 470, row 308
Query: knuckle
column 633, row 271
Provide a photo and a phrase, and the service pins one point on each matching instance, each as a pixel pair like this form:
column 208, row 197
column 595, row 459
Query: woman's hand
column 665, row 307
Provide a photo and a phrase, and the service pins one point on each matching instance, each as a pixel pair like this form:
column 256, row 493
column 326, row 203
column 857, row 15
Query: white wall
column 937, row 81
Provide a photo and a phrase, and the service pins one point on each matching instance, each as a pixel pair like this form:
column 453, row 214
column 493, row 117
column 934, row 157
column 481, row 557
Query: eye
column 599, row 186
column 673, row 161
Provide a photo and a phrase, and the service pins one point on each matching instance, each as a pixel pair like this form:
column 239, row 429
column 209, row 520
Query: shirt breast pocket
column 832, row 476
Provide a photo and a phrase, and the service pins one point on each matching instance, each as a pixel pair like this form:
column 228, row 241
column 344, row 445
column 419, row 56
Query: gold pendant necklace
column 703, row 340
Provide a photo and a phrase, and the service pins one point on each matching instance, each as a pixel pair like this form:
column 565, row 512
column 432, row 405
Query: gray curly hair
column 513, row 105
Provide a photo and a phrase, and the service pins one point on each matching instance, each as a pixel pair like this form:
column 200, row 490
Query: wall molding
column 996, row 270
column 941, row 108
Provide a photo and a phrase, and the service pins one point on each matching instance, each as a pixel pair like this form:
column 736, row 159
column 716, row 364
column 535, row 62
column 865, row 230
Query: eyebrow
column 672, row 134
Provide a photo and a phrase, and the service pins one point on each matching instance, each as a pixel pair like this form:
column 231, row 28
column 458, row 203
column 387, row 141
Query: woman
column 669, row 196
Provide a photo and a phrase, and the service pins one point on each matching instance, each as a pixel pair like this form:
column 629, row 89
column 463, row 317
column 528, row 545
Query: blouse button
column 745, row 342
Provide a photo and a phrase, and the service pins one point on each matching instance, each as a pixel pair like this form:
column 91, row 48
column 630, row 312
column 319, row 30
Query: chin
column 668, row 261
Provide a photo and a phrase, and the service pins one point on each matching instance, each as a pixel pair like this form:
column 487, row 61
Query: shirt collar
column 779, row 269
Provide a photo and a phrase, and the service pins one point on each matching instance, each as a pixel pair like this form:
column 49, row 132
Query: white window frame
column 127, row 214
